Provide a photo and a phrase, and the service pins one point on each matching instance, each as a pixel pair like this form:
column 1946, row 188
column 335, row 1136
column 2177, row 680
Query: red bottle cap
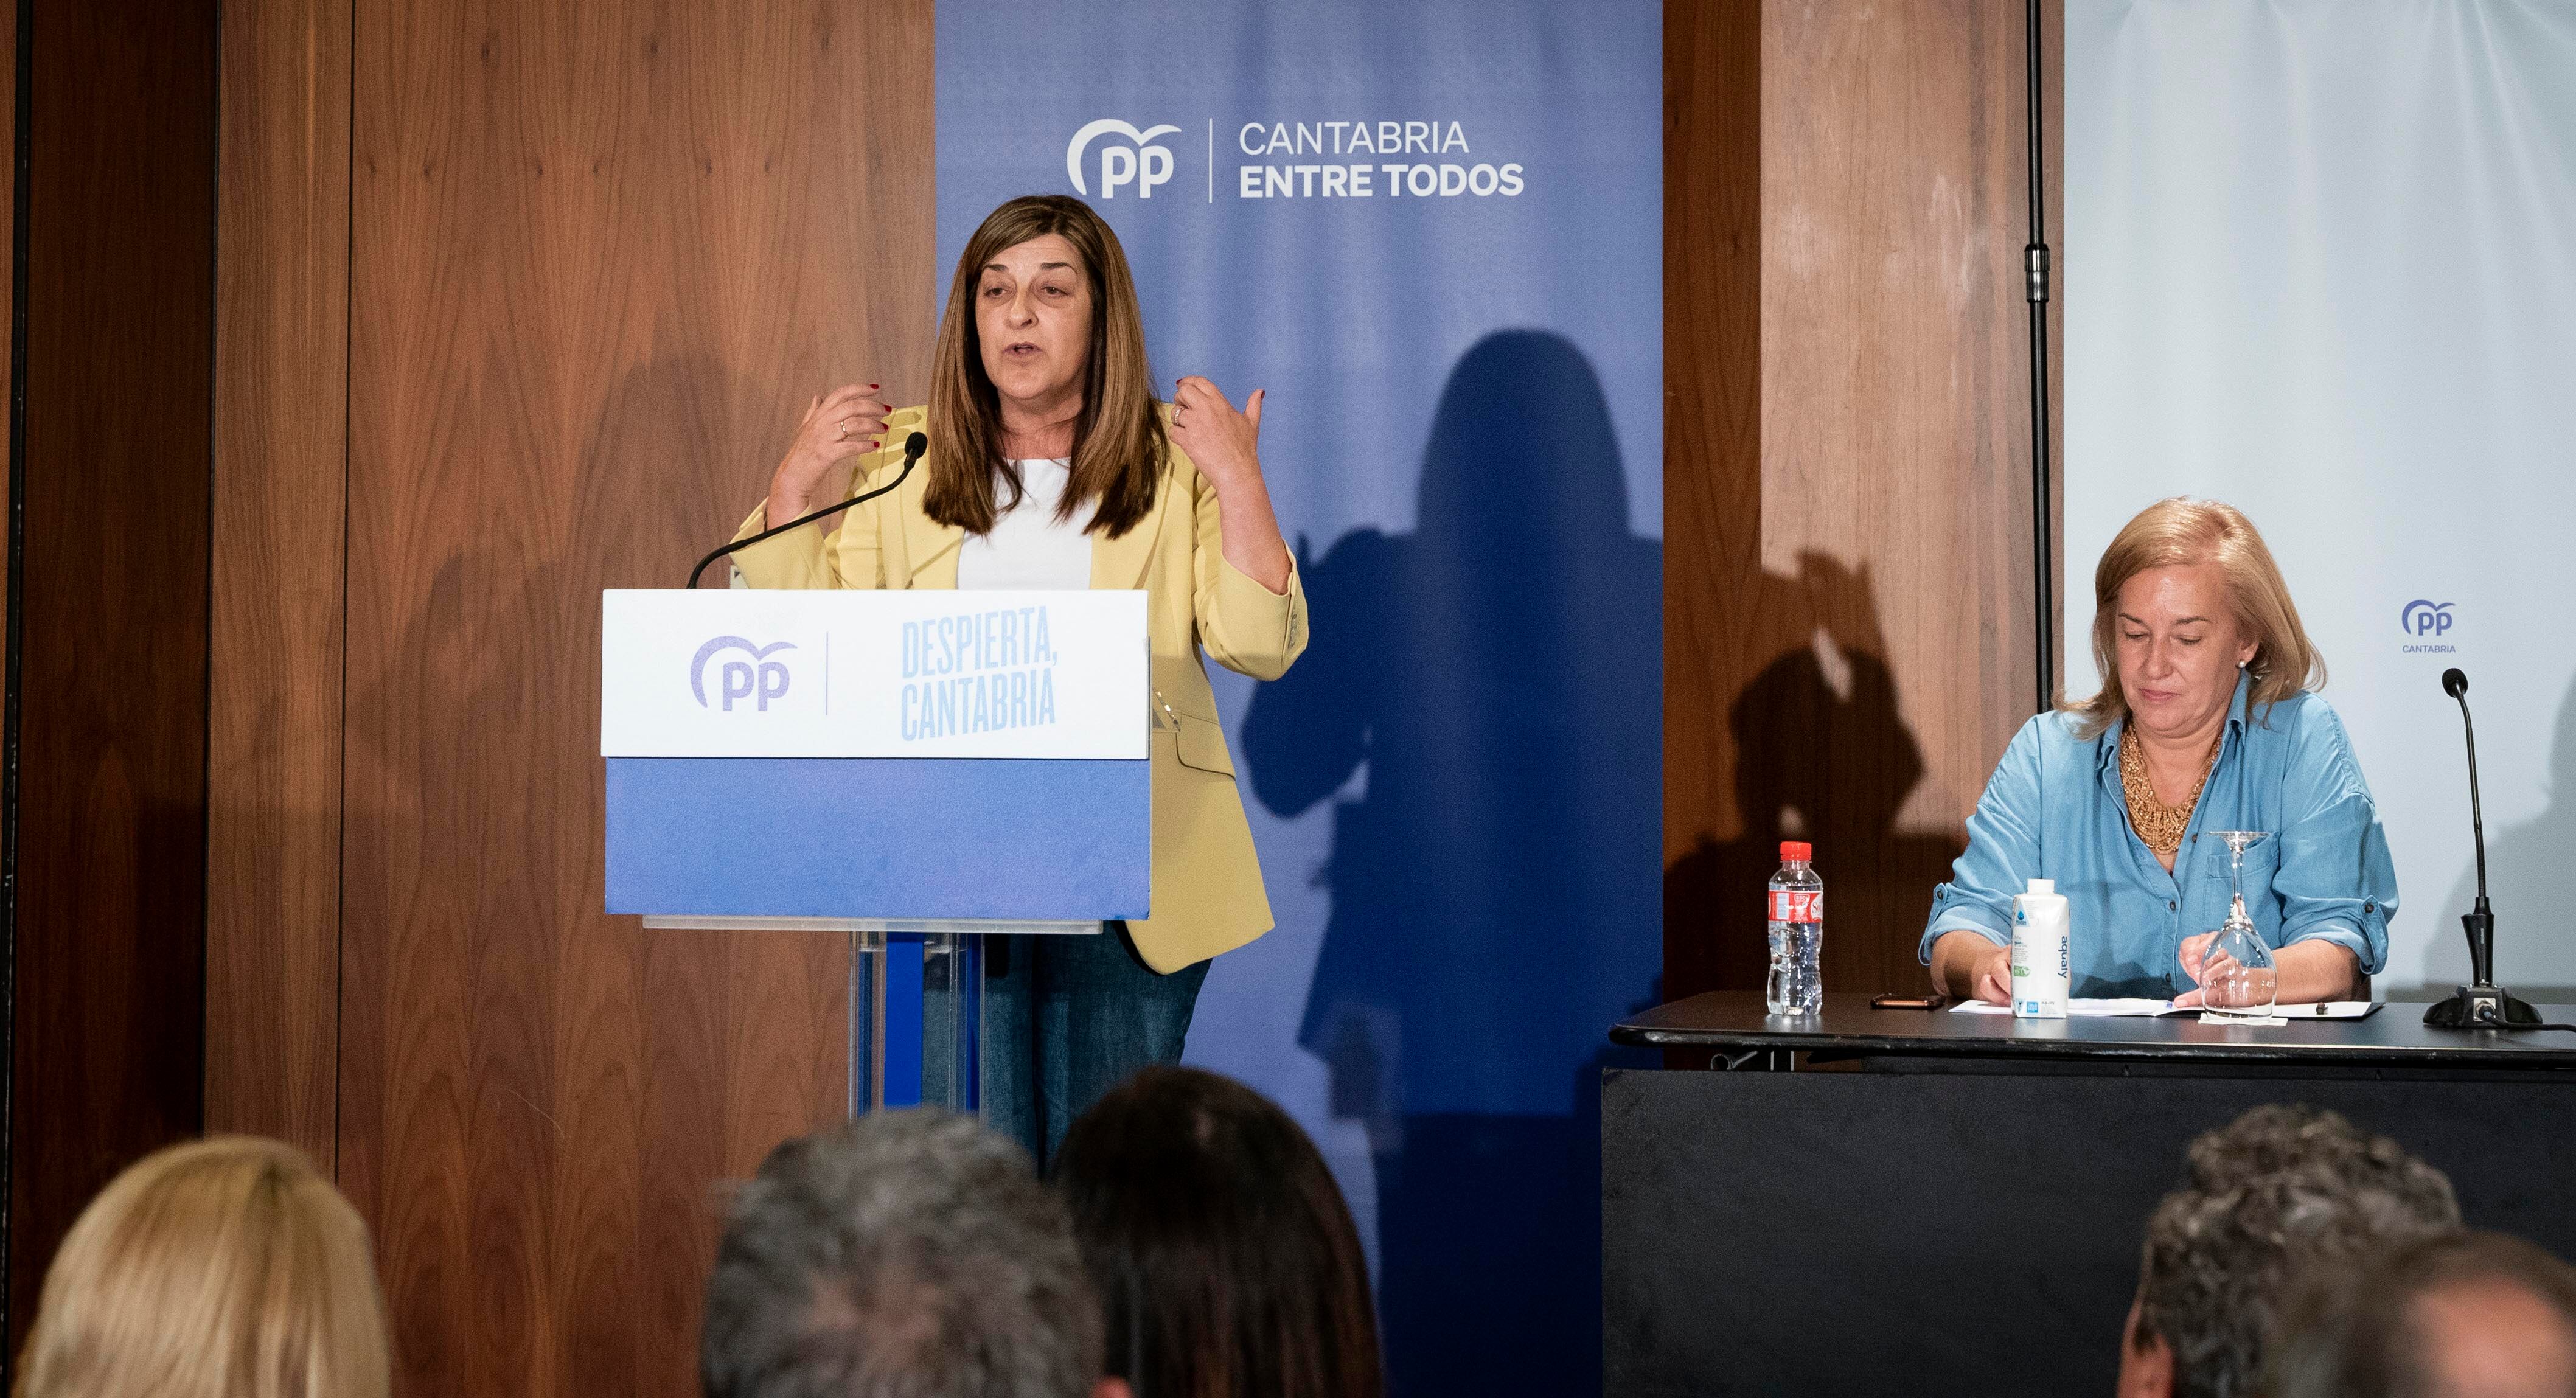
column 1797, row 851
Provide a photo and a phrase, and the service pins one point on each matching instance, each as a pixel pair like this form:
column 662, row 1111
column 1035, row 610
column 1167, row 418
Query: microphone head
column 916, row 444
column 2455, row 683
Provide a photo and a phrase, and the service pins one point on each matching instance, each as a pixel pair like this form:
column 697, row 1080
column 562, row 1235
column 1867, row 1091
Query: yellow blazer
column 1208, row 896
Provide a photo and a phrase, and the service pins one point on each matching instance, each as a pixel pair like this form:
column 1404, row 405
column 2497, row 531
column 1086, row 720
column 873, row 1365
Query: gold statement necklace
column 2158, row 824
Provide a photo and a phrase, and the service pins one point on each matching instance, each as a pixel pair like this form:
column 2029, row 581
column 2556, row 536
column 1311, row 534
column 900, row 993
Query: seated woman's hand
column 1990, row 976
column 2197, row 965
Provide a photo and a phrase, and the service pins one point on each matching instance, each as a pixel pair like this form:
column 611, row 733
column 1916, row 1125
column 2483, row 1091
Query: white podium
column 914, row 770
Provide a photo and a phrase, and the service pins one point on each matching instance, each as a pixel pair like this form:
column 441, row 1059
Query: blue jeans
column 1066, row 1018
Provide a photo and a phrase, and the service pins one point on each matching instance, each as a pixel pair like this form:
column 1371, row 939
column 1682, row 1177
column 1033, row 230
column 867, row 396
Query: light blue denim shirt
column 2054, row 810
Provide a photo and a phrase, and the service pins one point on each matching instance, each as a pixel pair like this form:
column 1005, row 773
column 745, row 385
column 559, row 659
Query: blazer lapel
column 930, row 548
column 1119, row 564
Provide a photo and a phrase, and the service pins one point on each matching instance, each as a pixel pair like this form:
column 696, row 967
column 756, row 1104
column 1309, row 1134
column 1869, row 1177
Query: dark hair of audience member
column 2280, row 1188
column 908, row 1254
column 1221, row 1248
column 2379, row 1330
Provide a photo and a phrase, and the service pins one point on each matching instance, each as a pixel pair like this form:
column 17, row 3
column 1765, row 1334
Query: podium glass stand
column 916, row 1000
column 815, row 760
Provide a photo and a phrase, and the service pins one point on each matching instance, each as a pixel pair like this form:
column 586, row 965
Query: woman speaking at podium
column 1051, row 465
column 2205, row 722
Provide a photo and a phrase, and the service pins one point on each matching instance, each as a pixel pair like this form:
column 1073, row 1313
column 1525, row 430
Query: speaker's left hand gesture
column 1223, row 442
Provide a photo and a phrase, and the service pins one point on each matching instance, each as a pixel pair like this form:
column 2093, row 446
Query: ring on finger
column 845, row 429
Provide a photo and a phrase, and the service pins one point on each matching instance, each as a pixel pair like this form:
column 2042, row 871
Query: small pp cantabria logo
column 755, row 676
column 2423, row 618
column 1134, row 159
column 2427, row 627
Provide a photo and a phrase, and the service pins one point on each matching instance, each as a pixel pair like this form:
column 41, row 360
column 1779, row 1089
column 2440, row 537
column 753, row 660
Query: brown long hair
column 1224, row 1257
column 223, row 1268
column 2182, row 532
column 1118, row 438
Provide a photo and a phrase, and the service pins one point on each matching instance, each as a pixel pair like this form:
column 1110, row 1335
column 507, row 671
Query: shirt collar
column 2106, row 750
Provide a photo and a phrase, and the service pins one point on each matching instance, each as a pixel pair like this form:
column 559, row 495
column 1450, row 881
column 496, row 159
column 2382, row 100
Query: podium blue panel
column 979, row 838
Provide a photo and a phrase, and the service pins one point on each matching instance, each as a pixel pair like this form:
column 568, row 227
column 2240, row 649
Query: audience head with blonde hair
column 224, row 1268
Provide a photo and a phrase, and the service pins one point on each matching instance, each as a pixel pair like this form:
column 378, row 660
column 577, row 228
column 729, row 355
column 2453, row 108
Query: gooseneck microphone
column 2481, row 1004
column 913, row 447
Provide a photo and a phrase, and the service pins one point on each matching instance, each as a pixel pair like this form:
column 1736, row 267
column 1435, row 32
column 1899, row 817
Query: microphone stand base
column 2481, row 1007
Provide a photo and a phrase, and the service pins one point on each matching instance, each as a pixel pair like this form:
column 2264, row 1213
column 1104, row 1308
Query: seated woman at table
column 2206, row 722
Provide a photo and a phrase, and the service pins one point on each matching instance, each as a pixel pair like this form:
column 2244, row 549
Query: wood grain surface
column 110, row 911
column 1850, row 633
column 279, row 516
column 602, row 254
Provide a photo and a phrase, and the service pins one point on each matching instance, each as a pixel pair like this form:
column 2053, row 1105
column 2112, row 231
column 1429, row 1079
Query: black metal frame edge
column 2036, row 290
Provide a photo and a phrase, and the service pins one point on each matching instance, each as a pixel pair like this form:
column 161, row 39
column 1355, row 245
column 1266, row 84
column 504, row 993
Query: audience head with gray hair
column 2281, row 1189
column 2453, row 1315
column 909, row 1254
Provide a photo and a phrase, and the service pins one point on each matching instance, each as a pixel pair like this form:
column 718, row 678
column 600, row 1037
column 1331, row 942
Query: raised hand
column 1224, row 443
column 837, row 426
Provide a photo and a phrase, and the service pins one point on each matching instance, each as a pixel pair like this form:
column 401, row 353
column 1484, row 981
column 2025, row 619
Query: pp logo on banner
column 759, row 678
column 2426, row 618
column 1142, row 163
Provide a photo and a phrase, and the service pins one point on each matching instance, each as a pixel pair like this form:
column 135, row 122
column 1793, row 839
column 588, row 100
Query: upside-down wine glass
column 2238, row 977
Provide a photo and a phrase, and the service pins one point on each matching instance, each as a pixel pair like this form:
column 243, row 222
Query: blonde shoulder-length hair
column 1118, row 439
column 2182, row 532
column 222, row 1268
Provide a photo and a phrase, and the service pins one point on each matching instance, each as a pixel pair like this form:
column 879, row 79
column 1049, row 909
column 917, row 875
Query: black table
column 2396, row 1036
column 1927, row 1194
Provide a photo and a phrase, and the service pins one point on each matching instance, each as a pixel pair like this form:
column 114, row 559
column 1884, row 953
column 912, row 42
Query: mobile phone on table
column 1908, row 1002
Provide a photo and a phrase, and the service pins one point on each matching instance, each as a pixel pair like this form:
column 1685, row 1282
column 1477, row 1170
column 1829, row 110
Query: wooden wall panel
column 110, row 893
column 279, row 520
column 1848, row 598
column 601, row 256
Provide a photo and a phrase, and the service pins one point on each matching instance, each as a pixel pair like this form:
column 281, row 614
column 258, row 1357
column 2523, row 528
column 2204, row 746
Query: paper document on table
column 2076, row 1007
column 2149, row 1009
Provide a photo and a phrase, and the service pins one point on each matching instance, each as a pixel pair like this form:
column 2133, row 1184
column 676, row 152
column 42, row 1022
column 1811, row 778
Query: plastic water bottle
column 2040, row 965
column 1796, row 987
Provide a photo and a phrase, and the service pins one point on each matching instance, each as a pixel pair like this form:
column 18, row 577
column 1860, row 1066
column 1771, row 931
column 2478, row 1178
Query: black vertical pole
column 2035, row 266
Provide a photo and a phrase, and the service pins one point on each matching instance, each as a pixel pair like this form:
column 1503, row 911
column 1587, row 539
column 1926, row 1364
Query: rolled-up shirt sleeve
column 2336, row 882
column 2003, row 850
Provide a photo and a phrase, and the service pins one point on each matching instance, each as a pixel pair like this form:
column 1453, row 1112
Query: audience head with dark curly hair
column 2280, row 1189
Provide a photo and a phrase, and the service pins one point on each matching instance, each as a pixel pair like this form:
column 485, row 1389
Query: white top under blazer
column 1028, row 546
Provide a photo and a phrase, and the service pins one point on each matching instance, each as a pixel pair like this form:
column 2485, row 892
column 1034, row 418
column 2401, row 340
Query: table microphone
column 913, row 447
column 2483, row 1004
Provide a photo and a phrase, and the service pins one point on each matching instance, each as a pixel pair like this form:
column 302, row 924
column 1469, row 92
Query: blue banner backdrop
column 1433, row 232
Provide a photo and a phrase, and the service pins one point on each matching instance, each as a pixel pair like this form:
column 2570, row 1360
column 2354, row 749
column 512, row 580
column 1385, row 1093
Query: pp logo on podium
column 757, row 678
column 1143, row 164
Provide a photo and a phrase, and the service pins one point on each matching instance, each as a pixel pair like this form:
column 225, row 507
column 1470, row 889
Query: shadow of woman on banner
column 2530, row 884
column 1821, row 753
column 1482, row 704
